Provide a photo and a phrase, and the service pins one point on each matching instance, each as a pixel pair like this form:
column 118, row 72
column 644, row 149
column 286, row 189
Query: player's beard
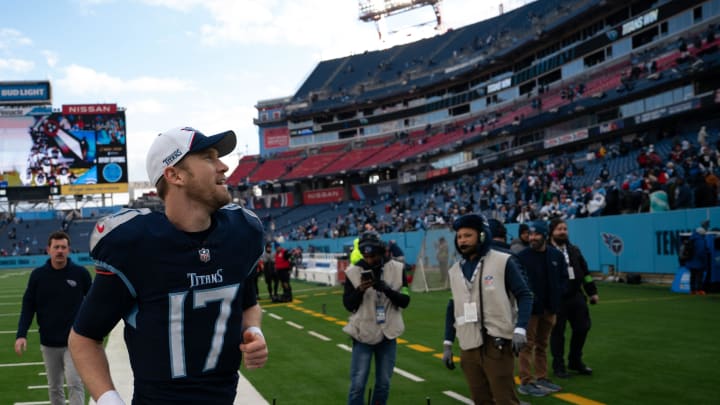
column 219, row 197
column 214, row 196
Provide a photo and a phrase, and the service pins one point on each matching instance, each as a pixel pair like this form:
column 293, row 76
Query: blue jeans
column 362, row 354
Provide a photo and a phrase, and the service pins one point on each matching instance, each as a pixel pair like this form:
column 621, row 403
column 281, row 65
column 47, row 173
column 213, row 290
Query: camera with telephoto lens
column 366, row 275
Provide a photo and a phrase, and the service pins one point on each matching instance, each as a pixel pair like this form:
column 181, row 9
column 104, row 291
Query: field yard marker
column 14, row 331
column 576, row 399
column 631, row 300
column 11, row 314
column 572, row 398
column 278, row 317
column 38, row 387
column 305, row 290
column 455, row 395
column 456, row 359
column 8, row 303
column 409, row 376
column 421, row 348
column 33, row 403
column 319, row 336
column 294, row 325
column 37, row 363
column 13, row 273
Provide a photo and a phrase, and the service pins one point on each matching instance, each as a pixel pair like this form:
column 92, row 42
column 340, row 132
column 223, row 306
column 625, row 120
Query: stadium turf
column 647, row 346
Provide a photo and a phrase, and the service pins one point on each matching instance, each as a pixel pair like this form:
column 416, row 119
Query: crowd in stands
column 24, row 245
column 687, row 176
column 668, row 172
column 24, row 237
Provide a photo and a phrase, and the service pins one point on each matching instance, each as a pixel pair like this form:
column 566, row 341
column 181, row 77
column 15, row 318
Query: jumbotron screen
column 81, row 150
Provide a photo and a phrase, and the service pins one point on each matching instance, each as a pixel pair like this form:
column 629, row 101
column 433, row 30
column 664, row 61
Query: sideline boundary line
column 565, row 396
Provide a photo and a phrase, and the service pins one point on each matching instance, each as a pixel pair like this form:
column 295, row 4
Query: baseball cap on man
column 171, row 146
column 539, row 226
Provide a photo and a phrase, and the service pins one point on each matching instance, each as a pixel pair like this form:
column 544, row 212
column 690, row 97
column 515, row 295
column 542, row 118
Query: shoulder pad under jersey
column 111, row 222
column 250, row 216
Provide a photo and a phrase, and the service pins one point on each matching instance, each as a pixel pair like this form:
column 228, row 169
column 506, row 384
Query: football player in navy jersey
column 181, row 281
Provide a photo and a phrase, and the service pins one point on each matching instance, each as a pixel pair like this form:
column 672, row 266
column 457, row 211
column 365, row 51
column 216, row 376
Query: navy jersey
column 181, row 295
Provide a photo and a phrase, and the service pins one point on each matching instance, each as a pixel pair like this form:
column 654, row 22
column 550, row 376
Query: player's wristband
column 110, row 398
column 255, row 331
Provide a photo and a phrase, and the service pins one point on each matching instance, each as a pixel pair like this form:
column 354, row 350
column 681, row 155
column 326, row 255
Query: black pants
column 574, row 310
column 697, row 279
column 271, row 280
column 284, row 276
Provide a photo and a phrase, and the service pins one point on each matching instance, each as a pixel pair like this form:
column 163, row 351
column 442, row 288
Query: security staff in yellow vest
column 376, row 291
column 489, row 312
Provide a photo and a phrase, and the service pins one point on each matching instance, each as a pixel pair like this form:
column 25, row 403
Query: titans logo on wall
column 613, row 242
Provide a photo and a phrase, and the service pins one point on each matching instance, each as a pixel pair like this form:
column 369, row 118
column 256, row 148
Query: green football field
column 647, row 346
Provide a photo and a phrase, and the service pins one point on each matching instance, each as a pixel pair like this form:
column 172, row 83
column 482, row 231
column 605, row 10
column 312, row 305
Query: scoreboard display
column 79, row 150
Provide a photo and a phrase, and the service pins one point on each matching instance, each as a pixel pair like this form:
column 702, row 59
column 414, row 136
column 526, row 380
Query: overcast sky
column 203, row 63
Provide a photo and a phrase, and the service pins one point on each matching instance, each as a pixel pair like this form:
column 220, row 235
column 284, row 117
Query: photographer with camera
column 489, row 311
column 376, row 291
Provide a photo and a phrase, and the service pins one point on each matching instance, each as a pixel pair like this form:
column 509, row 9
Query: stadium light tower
column 378, row 10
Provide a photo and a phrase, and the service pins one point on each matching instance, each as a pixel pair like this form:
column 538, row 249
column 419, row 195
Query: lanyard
column 564, row 251
column 469, row 284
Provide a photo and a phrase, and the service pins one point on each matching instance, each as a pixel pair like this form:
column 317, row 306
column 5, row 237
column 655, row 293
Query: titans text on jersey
column 205, row 279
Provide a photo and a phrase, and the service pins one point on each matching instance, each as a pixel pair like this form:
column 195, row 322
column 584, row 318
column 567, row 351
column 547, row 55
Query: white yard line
column 455, row 395
column 409, row 376
column 38, row 363
column 5, row 332
column 319, row 336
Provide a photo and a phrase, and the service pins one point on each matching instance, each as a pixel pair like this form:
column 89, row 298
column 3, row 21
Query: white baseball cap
column 171, row 146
